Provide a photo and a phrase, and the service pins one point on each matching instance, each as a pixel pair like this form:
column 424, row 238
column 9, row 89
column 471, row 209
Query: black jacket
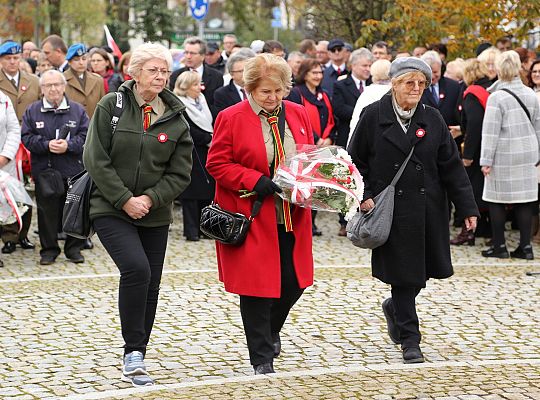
column 226, row 96
column 418, row 246
column 449, row 100
column 345, row 95
column 330, row 76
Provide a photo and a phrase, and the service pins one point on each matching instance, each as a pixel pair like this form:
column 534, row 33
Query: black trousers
column 191, row 212
column 403, row 301
column 139, row 253
column 50, row 211
column 10, row 232
column 264, row 317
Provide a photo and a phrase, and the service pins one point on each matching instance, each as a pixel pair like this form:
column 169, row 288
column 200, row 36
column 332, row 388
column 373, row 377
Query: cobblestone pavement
column 61, row 337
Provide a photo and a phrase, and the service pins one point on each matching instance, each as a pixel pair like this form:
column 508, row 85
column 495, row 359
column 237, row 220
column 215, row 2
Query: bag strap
column 117, row 112
column 520, row 103
column 401, row 169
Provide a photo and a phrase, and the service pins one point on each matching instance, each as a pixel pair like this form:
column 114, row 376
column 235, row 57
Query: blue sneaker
column 134, row 364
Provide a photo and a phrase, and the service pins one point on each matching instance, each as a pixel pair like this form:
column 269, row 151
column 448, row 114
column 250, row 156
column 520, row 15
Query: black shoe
column 1, row 264
column 412, row 355
column 263, row 369
column 393, row 330
column 315, row 231
column 76, row 258
column 9, row 247
column 524, row 252
column 192, row 238
column 47, row 260
column 276, row 341
column 88, row 245
column 26, row 244
column 500, row 252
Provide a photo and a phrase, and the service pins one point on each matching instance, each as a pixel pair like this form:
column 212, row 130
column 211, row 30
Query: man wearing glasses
column 211, row 80
column 54, row 131
column 338, row 67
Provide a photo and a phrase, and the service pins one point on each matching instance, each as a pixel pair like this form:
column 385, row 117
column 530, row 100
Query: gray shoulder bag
column 371, row 229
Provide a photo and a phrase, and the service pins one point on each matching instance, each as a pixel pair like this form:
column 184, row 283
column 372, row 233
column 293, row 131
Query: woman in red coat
column 274, row 265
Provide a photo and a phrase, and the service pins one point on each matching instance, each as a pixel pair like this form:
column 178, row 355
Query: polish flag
column 111, row 43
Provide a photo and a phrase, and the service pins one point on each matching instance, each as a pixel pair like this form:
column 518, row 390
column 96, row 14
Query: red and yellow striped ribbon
column 146, row 120
column 279, row 157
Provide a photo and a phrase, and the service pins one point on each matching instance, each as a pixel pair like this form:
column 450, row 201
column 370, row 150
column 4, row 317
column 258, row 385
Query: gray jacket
column 511, row 144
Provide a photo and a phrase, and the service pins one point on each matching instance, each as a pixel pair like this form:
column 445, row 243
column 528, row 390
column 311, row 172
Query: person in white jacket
column 372, row 93
column 10, row 138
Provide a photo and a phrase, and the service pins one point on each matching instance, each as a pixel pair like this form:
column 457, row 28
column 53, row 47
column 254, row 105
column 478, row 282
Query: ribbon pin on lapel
column 420, row 133
column 162, row 137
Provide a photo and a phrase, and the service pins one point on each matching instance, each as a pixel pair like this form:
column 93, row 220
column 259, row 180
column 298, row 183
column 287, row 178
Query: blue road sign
column 199, row 8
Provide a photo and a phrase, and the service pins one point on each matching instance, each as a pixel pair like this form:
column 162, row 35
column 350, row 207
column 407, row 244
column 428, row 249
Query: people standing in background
column 101, row 63
column 213, row 57
column 55, row 49
column 86, row 88
column 338, row 66
column 229, row 41
column 200, row 191
column 234, row 92
column 323, row 56
column 123, row 66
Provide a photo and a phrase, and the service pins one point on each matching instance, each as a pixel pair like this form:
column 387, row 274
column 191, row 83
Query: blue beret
column 402, row 65
column 76, row 50
column 10, row 47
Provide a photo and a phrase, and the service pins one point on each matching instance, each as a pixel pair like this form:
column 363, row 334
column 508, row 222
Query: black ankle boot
column 497, row 252
column 524, row 252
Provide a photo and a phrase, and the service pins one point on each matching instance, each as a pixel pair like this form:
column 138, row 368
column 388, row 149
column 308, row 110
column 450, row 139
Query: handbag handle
column 401, row 169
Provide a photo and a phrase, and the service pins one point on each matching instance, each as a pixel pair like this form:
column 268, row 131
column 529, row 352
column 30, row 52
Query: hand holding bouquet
column 321, row 178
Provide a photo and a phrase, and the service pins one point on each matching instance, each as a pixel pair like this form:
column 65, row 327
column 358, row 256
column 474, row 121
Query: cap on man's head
column 335, row 43
column 10, row 47
column 76, row 50
column 212, row 47
column 403, row 65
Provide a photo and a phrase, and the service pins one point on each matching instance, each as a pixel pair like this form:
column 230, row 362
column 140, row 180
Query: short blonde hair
column 267, row 66
column 489, row 55
column 184, row 81
column 146, row 52
column 455, row 67
column 474, row 70
column 508, row 65
column 379, row 70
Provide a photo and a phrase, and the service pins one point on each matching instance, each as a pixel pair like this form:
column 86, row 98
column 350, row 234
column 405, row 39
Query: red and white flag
column 111, row 43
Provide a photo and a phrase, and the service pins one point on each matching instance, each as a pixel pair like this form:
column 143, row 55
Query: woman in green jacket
column 139, row 167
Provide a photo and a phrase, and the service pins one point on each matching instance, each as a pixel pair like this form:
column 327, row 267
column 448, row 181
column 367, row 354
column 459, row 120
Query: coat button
column 396, row 166
column 422, row 191
column 418, row 167
column 400, row 192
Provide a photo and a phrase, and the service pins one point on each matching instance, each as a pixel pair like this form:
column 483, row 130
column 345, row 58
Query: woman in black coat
column 418, row 246
column 472, row 116
column 200, row 191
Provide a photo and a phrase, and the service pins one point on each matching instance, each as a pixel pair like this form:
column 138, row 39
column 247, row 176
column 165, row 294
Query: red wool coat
column 236, row 160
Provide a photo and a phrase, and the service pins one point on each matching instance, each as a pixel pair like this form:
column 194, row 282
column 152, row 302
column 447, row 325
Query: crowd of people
column 227, row 116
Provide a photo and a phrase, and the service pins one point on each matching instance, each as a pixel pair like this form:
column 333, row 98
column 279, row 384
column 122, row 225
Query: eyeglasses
column 410, row 85
column 157, row 71
column 336, row 49
column 51, row 85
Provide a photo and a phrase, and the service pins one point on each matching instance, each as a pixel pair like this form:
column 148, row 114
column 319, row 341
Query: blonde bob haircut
column 380, row 70
column 186, row 80
column 474, row 70
column 267, row 66
column 508, row 65
column 489, row 55
column 146, row 52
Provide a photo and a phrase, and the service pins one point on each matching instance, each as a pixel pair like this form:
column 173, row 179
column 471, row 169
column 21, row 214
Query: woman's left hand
column 486, row 170
column 470, row 223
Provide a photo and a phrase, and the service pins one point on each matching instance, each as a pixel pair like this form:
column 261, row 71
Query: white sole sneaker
column 137, row 371
column 138, row 380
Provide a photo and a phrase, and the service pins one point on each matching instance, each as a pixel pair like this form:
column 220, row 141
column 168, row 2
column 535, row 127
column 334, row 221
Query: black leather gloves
column 265, row 187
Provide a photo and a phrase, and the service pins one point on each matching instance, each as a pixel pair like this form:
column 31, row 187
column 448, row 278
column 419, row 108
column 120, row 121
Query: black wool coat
column 418, row 246
column 202, row 185
column 346, row 94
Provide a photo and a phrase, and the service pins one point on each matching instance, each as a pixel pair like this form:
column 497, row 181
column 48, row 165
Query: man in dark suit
column 211, row 80
column 55, row 49
column 347, row 89
column 234, row 92
column 443, row 94
column 338, row 67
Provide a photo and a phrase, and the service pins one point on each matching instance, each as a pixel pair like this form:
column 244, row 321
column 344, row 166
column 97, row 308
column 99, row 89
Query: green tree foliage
column 82, row 21
column 118, row 22
column 153, row 20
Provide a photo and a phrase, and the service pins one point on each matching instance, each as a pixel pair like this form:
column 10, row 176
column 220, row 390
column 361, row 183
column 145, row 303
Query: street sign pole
column 200, row 23
column 199, row 9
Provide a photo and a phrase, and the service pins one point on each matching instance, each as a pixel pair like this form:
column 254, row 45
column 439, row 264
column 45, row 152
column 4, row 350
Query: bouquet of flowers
column 14, row 200
column 321, row 178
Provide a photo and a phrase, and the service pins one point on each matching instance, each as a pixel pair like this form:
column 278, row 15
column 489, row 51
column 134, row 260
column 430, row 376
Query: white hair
column 431, row 57
column 145, row 52
column 52, row 72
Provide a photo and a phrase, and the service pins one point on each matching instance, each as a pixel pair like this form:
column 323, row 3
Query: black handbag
column 76, row 215
column 227, row 227
column 50, row 183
